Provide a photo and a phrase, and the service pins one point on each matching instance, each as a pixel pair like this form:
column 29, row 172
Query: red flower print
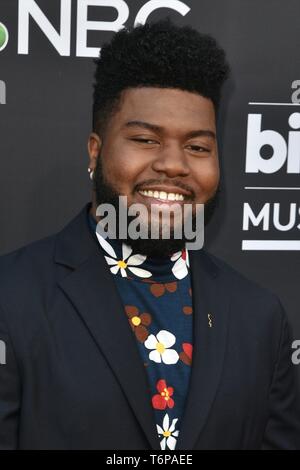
column 186, row 354
column 163, row 399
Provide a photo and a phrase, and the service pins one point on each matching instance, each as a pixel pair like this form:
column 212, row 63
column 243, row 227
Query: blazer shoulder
column 27, row 254
column 25, row 267
column 37, row 266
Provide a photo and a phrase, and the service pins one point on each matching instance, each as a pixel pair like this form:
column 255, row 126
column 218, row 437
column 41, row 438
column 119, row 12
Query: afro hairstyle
column 158, row 54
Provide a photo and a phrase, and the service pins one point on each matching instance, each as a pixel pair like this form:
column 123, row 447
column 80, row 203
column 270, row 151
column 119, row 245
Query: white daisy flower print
column 126, row 263
column 160, row 345
column 181, row 265
column 168, row 432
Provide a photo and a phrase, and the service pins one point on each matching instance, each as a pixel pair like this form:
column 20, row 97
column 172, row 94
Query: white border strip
column 273, row 104
column 272, row 187
column 267, row 245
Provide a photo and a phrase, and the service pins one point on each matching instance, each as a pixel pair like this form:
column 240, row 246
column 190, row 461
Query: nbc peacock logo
column 3, row 36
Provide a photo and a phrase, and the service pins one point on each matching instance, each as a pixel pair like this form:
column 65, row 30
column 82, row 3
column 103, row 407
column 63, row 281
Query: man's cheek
column 210, row 179
column 113, row 174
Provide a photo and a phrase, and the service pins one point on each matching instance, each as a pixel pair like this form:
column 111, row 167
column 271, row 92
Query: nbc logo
column 3, row 36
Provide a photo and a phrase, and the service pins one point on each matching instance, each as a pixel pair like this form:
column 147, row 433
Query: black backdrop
column 45, row 118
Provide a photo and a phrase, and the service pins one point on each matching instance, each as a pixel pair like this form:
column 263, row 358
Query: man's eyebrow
column 144, row 125
column 202, row 133
column 156, row 128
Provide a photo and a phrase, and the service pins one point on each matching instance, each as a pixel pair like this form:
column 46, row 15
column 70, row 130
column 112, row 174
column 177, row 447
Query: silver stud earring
column 91, row 173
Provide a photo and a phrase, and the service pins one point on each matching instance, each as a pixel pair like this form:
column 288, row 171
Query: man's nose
column 172, row 161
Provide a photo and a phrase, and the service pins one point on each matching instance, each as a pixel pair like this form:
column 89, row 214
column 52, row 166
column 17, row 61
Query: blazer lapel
column 91, row 289
column 211, row 300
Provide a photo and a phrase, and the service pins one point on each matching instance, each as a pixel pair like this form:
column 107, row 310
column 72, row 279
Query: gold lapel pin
column 209, row 317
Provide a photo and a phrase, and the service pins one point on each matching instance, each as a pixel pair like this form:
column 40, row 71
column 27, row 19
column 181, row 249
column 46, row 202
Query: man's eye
column 198, row 148
column 144, row 141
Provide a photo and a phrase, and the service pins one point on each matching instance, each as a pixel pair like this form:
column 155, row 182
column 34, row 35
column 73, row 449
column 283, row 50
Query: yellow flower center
column 165, row 394
column 166, row 434
column 136, row 321
column 122, row 264
column 160, row 348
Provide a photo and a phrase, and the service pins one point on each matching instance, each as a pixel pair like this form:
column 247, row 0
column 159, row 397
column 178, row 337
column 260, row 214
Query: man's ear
column 94, row 145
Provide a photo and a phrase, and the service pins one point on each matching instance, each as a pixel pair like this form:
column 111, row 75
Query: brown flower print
column 138, row 322
column 159, row 289
column 187, row 310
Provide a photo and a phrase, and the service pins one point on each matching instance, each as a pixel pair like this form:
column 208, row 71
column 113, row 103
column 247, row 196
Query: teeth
column 163, row 195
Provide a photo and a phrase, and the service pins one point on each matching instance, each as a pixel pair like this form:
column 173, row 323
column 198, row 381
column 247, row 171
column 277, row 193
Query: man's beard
column 161, row 247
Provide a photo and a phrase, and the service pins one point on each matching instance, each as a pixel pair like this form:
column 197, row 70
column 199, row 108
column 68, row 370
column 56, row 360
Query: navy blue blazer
column 73, row 377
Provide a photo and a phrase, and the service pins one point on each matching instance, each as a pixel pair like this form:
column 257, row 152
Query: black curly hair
column 158, row 54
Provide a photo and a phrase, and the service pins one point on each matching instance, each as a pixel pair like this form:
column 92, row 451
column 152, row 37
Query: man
column 138, row 343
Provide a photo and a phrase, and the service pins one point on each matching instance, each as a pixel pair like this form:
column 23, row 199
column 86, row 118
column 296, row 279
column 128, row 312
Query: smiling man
column 167, row 156
column 140, row 342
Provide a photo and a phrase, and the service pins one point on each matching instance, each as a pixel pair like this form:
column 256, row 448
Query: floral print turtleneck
column 157, row 298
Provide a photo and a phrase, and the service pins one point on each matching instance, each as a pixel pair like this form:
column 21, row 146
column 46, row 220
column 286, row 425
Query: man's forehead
column 166, row 108
column 157, row 95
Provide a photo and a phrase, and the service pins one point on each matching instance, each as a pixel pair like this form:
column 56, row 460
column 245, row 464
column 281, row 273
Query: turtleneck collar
column 123, row 262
